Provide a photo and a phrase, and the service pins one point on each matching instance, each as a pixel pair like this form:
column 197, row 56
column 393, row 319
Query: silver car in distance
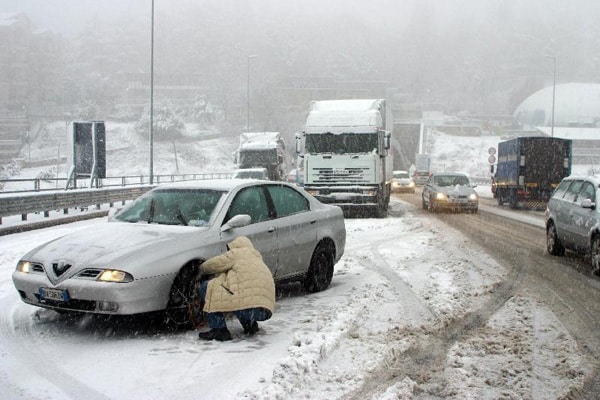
column 147, row 256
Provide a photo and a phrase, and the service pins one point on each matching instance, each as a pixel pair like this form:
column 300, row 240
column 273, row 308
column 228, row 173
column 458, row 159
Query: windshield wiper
column 180, row 217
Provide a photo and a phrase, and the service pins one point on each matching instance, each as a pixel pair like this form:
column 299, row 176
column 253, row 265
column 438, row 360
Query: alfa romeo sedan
column 573, row 219
column 147, row 256
column 450, row 191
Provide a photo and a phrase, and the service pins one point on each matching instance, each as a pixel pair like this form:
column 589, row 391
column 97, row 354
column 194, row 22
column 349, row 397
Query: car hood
column 455, row 190
column 104, row 244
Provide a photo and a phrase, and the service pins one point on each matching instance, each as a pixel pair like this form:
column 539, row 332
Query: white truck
column 347, row 162
column 262, row 150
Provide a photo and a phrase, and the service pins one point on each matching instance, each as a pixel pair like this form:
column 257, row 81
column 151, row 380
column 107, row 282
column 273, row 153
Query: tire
column 553, row 244
column 424, row 204
column 182, row 295
column 595, row 254
column 431, row 206
column 320, row 271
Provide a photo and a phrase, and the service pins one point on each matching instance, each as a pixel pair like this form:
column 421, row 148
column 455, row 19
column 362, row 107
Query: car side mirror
column 587, row 203
column 236, row 222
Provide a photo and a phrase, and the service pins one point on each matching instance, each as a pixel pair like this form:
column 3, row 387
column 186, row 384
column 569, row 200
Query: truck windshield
column 342, row 143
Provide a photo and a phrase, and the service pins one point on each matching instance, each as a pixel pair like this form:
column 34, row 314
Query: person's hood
column 240, row 242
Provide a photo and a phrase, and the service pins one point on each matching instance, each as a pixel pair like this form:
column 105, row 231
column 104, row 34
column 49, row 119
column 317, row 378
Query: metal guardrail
column 42, row 184
column 43, row 201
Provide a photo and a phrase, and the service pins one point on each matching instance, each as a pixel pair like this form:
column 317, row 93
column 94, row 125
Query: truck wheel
column 320, row 271
column 553, row 244
column 595, row 254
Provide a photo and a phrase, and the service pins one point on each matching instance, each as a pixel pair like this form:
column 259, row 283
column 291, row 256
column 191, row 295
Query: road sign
column 492, row 159
column 492, row 151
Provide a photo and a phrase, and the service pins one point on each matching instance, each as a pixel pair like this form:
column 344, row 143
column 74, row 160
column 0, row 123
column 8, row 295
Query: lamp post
column 553, row 92
column 151, row 138
column 248, row 94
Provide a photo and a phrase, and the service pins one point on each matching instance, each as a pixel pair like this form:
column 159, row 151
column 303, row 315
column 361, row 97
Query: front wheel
column 320, row 271
column 553, row 244
column 182, row 296
column 595, row 254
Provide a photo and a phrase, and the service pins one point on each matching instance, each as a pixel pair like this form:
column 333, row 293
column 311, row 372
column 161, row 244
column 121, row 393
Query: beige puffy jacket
column 243, row 280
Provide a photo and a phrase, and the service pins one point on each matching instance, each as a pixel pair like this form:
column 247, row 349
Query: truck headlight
column 440, row 196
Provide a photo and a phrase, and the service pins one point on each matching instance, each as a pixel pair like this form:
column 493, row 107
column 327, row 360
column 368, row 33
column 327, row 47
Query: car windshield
column 193, row 207
column 400, row 175
column 451, row 180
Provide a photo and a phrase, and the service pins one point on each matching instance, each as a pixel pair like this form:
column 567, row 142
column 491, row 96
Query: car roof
column 213, row 184
column 218, row 184
column 400, row 172
column 595, row 179
column 257, row 169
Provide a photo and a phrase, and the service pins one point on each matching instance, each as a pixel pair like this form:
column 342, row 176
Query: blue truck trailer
column 529, row 169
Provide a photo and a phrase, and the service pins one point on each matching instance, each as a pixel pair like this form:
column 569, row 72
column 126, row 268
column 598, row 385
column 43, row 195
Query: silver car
column 450, row 191
column 147, row 256
column 573, row 219
column 402, row 182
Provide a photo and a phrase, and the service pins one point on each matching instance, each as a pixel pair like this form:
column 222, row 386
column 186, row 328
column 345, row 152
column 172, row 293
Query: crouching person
column 242, row 285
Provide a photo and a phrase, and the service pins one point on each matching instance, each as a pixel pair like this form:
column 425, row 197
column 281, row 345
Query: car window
column 573, row 190
column 287, row 201
column 250, row 201
column 561, row 189
column 587, row 192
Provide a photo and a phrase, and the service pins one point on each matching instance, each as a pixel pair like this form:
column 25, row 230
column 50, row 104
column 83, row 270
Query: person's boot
column 251, row 329
column 220, row 334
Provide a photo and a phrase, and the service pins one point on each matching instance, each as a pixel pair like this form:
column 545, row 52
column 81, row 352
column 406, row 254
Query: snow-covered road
column 402, row 281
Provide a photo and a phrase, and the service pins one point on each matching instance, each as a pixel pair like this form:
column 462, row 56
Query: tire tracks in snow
column 424, row 359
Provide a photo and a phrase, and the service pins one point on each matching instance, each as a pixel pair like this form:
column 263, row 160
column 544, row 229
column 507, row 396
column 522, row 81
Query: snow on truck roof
column 261, row 140
column 353, row 115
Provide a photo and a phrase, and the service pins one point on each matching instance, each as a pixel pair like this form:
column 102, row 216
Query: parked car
column 402, row 182
column 421, row 176
column 251, row 173
column 147, row 256
column 451, row 191
column 573, row 218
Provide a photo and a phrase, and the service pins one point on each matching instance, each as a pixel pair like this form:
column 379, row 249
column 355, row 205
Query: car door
column 261, row 230
column 566, row 217
column 583, row 218
column 297, row 230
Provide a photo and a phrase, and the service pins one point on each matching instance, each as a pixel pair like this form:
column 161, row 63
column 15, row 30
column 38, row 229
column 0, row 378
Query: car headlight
column 411, row 184
column 24, row 266
column 473, row 197
column 113, row 275
column 440, row 196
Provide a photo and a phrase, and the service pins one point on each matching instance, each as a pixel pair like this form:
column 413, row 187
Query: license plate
column 54, row 294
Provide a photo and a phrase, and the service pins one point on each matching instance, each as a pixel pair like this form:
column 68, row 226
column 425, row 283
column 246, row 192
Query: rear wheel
column 320, row 271
column 595, row 254
column 553, row 244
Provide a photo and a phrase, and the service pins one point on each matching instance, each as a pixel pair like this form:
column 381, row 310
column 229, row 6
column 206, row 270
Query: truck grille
column 339, row 175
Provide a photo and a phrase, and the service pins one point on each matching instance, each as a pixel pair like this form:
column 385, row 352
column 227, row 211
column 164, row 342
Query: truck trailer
column 346, row 152
column 529, row 169
column 262, row 150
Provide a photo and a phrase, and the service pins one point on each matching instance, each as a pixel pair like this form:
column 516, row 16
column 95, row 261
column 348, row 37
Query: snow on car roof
column 215, row 184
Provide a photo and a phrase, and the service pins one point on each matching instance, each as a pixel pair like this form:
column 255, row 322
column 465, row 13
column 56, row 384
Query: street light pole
column 151, row 138
column 248, row 95
column 553, row 92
